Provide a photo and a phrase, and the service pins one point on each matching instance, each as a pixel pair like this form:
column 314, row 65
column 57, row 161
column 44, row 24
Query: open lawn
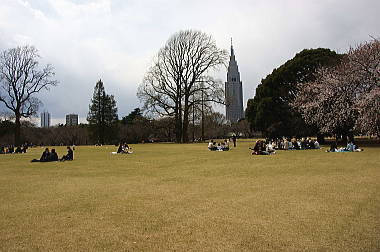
column 182, row 197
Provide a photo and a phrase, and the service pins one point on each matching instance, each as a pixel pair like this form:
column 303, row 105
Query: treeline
column 105, row 127
column 133, row 128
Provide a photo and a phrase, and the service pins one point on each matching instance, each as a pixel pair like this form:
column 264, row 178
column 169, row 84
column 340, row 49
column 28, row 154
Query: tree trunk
column 344, row 138
column 203, row 123
column 185, row 125
column 17, row 129
column 178, row 123
column 320, row 138
column 350, row 136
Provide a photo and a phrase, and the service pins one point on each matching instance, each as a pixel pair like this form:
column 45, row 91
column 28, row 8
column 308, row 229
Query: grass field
column 168, row 197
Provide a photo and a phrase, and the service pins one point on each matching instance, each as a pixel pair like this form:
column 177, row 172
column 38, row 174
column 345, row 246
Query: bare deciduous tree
column 180, row 78
column 20, row 80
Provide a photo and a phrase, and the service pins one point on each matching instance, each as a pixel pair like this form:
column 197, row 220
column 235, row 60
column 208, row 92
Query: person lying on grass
column 351, row 147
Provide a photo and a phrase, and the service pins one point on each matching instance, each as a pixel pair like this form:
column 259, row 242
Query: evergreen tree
column 135, row 114
column 102, row 117
column 270, row 110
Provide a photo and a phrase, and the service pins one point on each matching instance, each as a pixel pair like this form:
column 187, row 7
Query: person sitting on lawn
column 219, row 147
column 270, row 149
column 18, row 150
column 44, row 157
column 127, row 149
column 226, row 145
column 333, row 147
column 258, row 149
column 120, row 149
column 123, row 149
column 286, row 144
column 309, row 144
column 24, row 148
column 11, row 149
column 69, row 156
column 291, row 147
column 212, row 145
column 53, row 156
column 295, row 144
column 303, row 144
column 352, row 147
column 316, row 145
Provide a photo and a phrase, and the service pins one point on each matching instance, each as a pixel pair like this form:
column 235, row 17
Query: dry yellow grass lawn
column 167, row 197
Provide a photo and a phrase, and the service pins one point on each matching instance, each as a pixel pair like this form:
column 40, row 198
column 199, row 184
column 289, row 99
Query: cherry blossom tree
column 369, row 113
column 346, row 97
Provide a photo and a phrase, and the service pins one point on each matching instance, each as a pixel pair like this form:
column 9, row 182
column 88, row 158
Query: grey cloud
column 116, row 40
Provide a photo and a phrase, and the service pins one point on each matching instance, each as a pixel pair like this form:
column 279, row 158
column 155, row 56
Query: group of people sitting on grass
column 222, row 146
column 48, row 156
column 351, row 147
column 12, row 150
column 294, row 144
column 124, row 149
column 268, row 147
column 263, row 148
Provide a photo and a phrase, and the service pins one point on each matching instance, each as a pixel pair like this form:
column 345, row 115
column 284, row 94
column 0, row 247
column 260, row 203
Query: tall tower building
column 233, row 91
column 72, row 120
column 45, row 119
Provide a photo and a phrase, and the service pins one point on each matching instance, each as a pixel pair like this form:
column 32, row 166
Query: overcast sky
column 115, row 40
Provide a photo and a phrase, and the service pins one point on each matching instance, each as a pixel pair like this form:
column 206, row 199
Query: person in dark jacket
column 44, row 157
column 120, row 149
column 53, row 155
column 69, row 156
column 234, row 140
column 18, row 150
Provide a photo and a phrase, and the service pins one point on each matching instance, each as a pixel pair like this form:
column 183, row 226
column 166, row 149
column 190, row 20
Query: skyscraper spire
column 232, row 49
column 233, row 90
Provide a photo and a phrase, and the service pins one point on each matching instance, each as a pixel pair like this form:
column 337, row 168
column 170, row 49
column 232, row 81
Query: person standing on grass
column 234, row 140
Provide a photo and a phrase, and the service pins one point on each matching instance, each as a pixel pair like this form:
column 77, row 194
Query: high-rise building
column 233, row 91
column 71, row 120
column 45, row 119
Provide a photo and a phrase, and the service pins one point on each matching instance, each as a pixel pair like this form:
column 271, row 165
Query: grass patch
column 183, row 197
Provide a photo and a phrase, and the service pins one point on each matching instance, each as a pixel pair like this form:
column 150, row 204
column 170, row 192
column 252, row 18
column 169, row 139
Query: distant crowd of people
column 48, row 156
column 261, row 147
column 222, row 146
column 269, row 146
column 13, row 150
column 294, row 144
